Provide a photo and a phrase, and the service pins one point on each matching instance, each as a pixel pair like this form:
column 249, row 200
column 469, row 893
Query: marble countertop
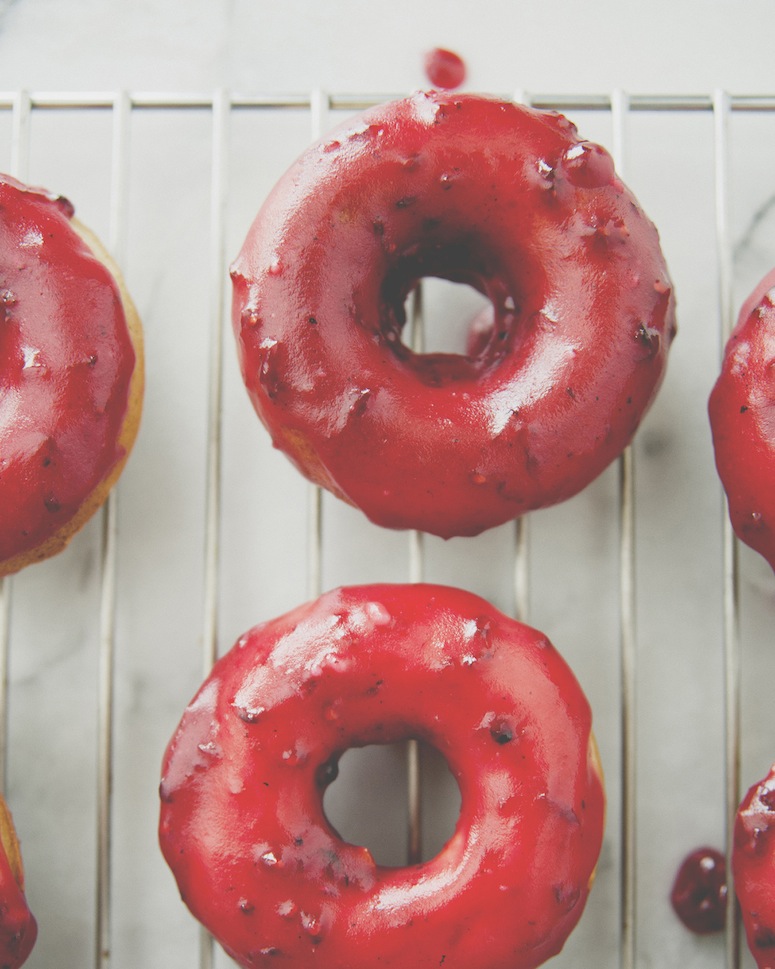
column 166, row 243
column 353, row 45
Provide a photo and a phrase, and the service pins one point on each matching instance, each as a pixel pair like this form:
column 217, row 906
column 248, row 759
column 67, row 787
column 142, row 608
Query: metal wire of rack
column 221, row 108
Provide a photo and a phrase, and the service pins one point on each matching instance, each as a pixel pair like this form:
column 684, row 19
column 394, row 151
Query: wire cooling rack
column 638, row 581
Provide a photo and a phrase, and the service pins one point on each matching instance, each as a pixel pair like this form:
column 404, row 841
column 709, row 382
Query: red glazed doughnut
column 71, row 374
column 242, row 821
column 18, row 928
column 753, row 866
column 742, row 419
column 471, row 189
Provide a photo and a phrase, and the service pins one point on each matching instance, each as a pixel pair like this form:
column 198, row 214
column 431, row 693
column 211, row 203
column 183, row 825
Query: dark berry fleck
column 327, row 772
column 649, row 338
column 765, row 938
column 501, row 733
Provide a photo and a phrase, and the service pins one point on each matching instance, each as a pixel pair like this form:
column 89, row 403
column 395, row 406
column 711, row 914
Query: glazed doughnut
column 72, row 374
column 242, row 821
column 18, row 928
column 477, row 191
column 741, row 408
column 753, row 867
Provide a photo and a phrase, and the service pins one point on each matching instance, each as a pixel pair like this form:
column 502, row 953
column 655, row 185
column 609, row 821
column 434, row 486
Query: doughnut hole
column 469, row 312
column 367, row 800
column 452, row 316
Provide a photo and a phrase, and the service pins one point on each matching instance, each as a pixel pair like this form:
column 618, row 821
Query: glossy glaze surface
column 753, row 866
column 18, row 928
column 242, row 822
column 699, row 894
column 742, row 417
column 508, row 200
column 66, row 362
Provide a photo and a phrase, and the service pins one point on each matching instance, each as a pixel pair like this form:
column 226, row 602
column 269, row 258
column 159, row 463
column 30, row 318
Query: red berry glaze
column 742, row 419
column 18, row 928
column 242, row 823
column 475, row 190
column 753, row 867
column 69, row 372
column 444, row 68
column 699, row 895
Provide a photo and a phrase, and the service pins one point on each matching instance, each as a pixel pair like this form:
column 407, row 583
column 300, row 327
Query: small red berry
column 444, row 68
column 699, row 895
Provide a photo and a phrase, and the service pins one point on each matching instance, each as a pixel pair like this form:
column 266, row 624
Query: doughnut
column 242, row 822
column 72, row 374
column 18, row 928
column 741, row 409
column 478, row 191
column 753, row 867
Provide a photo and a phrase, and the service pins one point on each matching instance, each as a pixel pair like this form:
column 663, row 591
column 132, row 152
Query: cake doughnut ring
column 741, row 408
column 753, row 866
column 508, row 200
column 71, row 373
column 242, row 823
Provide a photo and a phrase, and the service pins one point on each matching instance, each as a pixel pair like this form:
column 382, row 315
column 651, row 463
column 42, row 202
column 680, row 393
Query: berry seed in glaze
column 753, row 866
column 71, row 374
column 508, row 200
column 741, row 408
column 242, row 823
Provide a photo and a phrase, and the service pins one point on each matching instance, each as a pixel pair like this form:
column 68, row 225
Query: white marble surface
column 357, row 47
